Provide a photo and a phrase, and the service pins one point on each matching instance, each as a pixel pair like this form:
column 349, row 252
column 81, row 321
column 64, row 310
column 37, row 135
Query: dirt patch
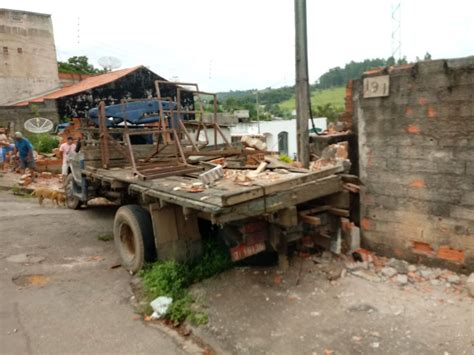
column 31, row 280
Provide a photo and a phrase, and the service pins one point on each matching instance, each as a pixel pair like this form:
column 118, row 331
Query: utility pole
column 258, row 114
column 302, row 83
column 257, row 108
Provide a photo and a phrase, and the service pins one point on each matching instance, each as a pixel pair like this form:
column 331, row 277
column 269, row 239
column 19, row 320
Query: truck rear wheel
column 72, row 202
column 133, row 236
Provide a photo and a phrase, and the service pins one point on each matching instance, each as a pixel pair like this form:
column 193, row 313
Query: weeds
column 173, row 279
column 44, row 142
column 105, row 237
column 285, row 158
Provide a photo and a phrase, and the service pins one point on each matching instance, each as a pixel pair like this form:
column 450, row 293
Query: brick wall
column 416, row 149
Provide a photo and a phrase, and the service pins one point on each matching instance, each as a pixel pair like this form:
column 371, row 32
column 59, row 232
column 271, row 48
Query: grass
column 334, row 96
column 105, row 237
column 172, row 279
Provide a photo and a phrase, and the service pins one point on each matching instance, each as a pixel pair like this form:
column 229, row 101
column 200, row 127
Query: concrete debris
column 454, row 279
column 373, row 268
column 356, row 265
column 212, row 175
column 252, row 142
column 402, row 279
column 400, row 265
column 427, row 274
column 368, row 275
column 332, row 155
column 389, row 271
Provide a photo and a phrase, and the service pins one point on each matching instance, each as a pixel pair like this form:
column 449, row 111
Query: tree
column 328, row 111
column 78, row 65
column 427, row 56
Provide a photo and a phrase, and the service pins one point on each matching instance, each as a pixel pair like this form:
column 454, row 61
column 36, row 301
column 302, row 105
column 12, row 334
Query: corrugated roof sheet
column 84, row 85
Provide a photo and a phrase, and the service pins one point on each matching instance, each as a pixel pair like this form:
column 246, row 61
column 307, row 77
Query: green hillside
column 333, row 96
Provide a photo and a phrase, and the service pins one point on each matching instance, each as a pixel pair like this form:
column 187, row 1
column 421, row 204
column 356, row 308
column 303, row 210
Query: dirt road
column 260, row 311
column 63, row 297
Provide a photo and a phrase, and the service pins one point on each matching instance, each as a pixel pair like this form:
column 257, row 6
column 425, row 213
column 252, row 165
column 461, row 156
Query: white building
column 280, row 135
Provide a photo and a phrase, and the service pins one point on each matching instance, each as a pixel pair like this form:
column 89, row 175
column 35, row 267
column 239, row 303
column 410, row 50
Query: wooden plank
column 272, row 203
column 339, row 212
column 296, row 179
column 141, row 151
column 313, row 220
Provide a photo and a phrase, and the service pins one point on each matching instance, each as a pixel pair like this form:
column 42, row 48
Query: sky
column 249, row 44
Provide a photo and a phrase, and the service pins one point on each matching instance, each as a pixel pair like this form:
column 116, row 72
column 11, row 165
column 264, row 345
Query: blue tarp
column 137, row 112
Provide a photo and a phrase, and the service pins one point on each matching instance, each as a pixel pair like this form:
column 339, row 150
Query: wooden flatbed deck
column 227, row 200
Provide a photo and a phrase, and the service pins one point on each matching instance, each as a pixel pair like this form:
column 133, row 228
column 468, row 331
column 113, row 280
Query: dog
column 57, row 197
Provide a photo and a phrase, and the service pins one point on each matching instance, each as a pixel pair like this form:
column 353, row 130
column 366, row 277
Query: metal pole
column 258, row 116
column 302, row 83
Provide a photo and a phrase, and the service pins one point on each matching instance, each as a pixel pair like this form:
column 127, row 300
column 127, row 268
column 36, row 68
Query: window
column 5, row 50
column 20, row 50
column 283, row 143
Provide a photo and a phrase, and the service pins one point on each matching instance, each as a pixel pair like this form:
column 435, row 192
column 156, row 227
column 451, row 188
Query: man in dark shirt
column 25, row 153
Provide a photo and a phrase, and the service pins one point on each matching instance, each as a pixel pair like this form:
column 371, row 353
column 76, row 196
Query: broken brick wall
column 416, row 149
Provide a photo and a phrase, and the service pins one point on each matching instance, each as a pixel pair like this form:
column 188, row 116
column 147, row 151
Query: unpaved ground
column 259, row 311
column 63, row 297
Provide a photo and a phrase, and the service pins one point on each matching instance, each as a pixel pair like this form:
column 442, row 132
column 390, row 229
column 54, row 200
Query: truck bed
column 227, row 200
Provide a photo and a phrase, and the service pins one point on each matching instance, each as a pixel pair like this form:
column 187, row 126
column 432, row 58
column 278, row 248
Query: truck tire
column 72, row 201
column 133, row 236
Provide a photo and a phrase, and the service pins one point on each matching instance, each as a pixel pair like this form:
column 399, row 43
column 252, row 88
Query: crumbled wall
column 416, row 149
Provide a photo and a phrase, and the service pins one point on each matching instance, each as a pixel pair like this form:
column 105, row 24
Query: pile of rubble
column 367, row 265
column 332, row 155
column 43, row 178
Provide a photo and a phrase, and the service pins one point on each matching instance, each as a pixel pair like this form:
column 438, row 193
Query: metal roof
column 84, row 85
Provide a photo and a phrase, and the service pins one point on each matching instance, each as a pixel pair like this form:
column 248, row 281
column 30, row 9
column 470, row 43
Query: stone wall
column 28, row 64
column 416, row 150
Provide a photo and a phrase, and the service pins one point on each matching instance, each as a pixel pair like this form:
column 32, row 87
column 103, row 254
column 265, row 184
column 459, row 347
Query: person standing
column 4, row 147
column 66, row 150
column 24, row 149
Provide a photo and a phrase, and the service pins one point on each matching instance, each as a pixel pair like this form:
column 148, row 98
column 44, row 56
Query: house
column 279, row 135
column 76, row 99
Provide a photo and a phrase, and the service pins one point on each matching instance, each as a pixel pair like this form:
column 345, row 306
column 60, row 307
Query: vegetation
column 340, row 76
column 327, row 93
column 78, row 65
column 107, row 237
column 43, row 142
column 285, row 158
column 172, row 279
